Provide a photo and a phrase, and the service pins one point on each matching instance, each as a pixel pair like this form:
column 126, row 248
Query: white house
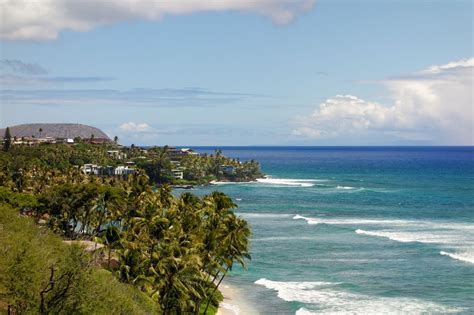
column 124, row 171
column 177, row 173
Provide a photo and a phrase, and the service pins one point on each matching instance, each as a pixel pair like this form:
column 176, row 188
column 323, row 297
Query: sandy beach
column 233, row 303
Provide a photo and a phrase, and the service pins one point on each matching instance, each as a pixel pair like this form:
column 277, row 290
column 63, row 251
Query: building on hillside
column 178, row 173
column 174, row 153
column 65, row 140
column 96, row 140
column 90, row 169
column 117, row 154
column 188, row 151
column 49, row 140
column 106, row 171
column 93, row 169
column 124, row 171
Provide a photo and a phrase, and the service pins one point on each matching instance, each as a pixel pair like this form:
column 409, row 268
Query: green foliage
column 7, row 140
column 197, row 169
column 40, row 274
column 174, row 251
column 56, row 156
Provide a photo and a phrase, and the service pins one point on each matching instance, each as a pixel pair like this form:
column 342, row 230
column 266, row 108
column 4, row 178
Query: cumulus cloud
column 434, row 105
column 44, row 19
column 135, row 127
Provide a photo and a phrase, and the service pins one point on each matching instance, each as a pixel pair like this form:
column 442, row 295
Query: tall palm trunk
column 198, row 302
column 215, row 289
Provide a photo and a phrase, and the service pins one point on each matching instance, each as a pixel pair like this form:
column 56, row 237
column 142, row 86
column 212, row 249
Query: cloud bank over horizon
column 45, row 19
column 431, row 106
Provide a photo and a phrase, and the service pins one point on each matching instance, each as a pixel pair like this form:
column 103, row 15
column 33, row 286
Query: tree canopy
column 155, row 246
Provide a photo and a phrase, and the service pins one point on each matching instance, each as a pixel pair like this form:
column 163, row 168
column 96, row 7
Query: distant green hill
column 55, row 131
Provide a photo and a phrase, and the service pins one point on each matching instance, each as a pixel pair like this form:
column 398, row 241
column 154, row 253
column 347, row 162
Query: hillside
column 55, row 131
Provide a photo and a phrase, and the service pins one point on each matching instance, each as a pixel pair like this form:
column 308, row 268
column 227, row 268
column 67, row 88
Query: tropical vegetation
column 155, row 251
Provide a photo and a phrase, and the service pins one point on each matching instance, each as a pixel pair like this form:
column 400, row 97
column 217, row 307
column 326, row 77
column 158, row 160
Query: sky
column 243, row 72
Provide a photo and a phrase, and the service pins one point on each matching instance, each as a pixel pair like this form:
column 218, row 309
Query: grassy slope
column 27, row 253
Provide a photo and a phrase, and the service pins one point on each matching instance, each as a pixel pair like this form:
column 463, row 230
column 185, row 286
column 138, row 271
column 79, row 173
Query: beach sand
column 233, row 303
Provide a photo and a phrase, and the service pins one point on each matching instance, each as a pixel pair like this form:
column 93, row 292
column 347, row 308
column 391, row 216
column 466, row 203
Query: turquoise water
column 358, row 230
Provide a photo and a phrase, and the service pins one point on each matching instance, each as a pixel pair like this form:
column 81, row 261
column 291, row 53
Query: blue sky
column 244, row 72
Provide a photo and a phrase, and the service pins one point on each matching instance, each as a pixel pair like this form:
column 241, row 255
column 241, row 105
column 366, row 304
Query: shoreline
column 233, row 302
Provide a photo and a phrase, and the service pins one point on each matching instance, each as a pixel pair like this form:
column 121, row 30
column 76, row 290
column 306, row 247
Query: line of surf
column 465, row 257
column 329, row 298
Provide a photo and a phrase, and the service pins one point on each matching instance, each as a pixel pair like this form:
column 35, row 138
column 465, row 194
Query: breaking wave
column 303, row 311
column 232, row 308
column 288, row 181
column 328, row 298
column 345, row 187
column 349, row 221
column 457, row 237
column 295, row 182
column 451, row 237
column 465, row 257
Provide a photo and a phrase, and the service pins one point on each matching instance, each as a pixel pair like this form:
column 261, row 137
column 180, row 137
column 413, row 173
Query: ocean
column 357, row 230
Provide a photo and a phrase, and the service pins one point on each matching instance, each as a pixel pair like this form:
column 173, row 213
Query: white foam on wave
column 345, row 187
column 296, row 182
column 452, row 236
column 327, row 298
column 394, row 236
column 421, row 236
column 234, row 309
column 288, row 181
column 309, row 220
column 465, row 256
column 303, row 311
column 215, row 182
column 349, row 221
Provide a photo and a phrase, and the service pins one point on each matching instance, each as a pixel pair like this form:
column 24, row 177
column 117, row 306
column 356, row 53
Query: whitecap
column 309, row 220
column 275, row 182
column 287, row 182
column 421, row 236
column 394, row 236
column 234, row 309
column 350, row 221
column 327, row 298
column 217, row 183
column 345, row 187
column 303, row 311
column 465, row 257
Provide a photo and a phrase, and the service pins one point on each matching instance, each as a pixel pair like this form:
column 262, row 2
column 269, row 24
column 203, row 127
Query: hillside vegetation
column 173, row 251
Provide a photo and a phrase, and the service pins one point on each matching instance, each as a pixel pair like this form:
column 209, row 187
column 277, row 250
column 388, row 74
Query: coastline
column 234, row 303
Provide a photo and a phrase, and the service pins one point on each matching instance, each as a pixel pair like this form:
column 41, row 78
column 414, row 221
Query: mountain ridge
column 59, row 130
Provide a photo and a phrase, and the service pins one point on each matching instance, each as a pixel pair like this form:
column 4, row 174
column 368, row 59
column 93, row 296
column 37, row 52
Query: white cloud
column 434, row 105
column 460, row 64
column 44, row 19
column 135, row 127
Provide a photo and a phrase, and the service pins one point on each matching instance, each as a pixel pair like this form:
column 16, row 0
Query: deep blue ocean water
column 359, row 230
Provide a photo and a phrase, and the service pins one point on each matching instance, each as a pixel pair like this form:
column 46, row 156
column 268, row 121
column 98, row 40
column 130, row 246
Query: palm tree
column 7, row 140
column 235, row 247
column 112, row 239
